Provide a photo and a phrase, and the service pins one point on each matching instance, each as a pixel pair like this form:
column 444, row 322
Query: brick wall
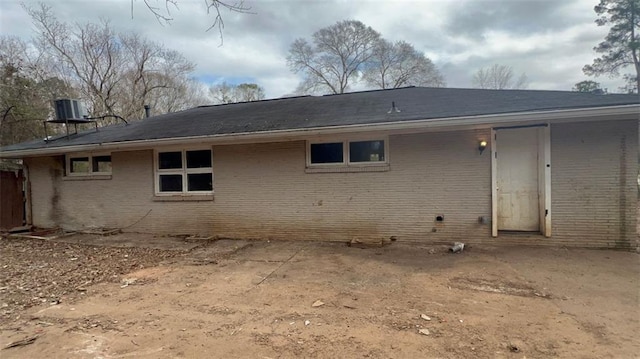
column 594, row 183
column 262, row 191
column 265, row 188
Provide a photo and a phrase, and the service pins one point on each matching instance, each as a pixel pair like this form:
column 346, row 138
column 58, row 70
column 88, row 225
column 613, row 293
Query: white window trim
column 345, row 153
column 90, row 156
column 184, row 171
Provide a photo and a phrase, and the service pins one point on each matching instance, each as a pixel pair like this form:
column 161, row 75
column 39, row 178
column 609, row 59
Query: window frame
column 346, row 156
column 184, row 172
column 90, row 156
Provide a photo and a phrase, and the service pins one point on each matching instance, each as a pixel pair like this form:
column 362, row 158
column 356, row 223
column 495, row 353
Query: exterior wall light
column 482, row 145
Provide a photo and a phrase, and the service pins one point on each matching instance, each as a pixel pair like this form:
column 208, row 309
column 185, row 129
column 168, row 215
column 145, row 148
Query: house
column 428, row 165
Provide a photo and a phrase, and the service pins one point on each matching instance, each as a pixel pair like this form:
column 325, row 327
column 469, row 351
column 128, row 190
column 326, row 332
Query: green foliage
column 621, row 47
column 26, row 92
column 23, row 106
column 588, row 86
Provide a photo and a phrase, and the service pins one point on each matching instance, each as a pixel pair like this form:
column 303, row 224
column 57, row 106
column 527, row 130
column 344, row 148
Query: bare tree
column 153, row 76
column 499, row 77
column 250, row 92
column 245, row 92
column 400, row 64
column 163, row 12
column 335, row 57
column 116, row 74
column 184, row 93
column 222, row 93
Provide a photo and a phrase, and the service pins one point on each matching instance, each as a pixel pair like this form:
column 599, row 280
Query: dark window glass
column 366, row 151
column 79, row 165
column 170, row 183
column 168, row 160
column 102, row 164
column 326, row 152
column 199, row 159
column 200, row 182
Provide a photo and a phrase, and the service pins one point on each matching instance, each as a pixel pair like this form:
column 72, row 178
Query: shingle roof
column 369, row 107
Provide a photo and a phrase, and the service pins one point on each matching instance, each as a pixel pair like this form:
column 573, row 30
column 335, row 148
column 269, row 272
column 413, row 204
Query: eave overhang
column 391, row 127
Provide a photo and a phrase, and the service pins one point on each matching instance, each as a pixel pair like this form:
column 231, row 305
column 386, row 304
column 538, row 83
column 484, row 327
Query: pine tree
column 621, row 47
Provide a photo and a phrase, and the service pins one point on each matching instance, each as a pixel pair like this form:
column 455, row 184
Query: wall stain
column 623, row 242
column 55, row 172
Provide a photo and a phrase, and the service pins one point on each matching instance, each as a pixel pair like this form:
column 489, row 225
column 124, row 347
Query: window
column 184, row 172
column 347, row 153
column 101, row 164
column 88, row 165
column 327, row 152
column 366, row 151
column 79, row 165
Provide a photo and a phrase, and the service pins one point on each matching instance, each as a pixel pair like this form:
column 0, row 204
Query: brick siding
column 262, row 191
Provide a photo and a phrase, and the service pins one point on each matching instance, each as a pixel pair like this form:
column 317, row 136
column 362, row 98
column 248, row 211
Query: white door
column 517, row 179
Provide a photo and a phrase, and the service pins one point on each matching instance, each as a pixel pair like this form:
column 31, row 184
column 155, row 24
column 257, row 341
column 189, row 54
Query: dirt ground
column 82, row 297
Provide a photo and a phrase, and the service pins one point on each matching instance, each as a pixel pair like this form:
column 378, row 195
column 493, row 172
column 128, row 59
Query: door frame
column 544, row 177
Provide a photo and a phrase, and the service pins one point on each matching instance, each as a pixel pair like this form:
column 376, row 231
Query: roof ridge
column 372, row 90
column 263, row 100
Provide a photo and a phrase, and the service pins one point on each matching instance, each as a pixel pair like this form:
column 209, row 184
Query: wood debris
column 22, row 342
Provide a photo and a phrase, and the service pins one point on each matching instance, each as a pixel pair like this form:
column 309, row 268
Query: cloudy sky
column 549, row 40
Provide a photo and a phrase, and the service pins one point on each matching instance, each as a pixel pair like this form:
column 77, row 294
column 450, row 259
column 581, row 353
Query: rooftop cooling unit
column 67, row 109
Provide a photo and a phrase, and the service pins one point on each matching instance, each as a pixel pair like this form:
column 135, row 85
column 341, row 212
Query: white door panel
column 517, row 179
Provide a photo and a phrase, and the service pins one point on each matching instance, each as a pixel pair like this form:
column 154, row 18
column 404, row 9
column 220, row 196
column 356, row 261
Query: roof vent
column 393, row 109
column 67, row 109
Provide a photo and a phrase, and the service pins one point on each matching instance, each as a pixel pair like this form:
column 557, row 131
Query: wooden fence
column 12, row 201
